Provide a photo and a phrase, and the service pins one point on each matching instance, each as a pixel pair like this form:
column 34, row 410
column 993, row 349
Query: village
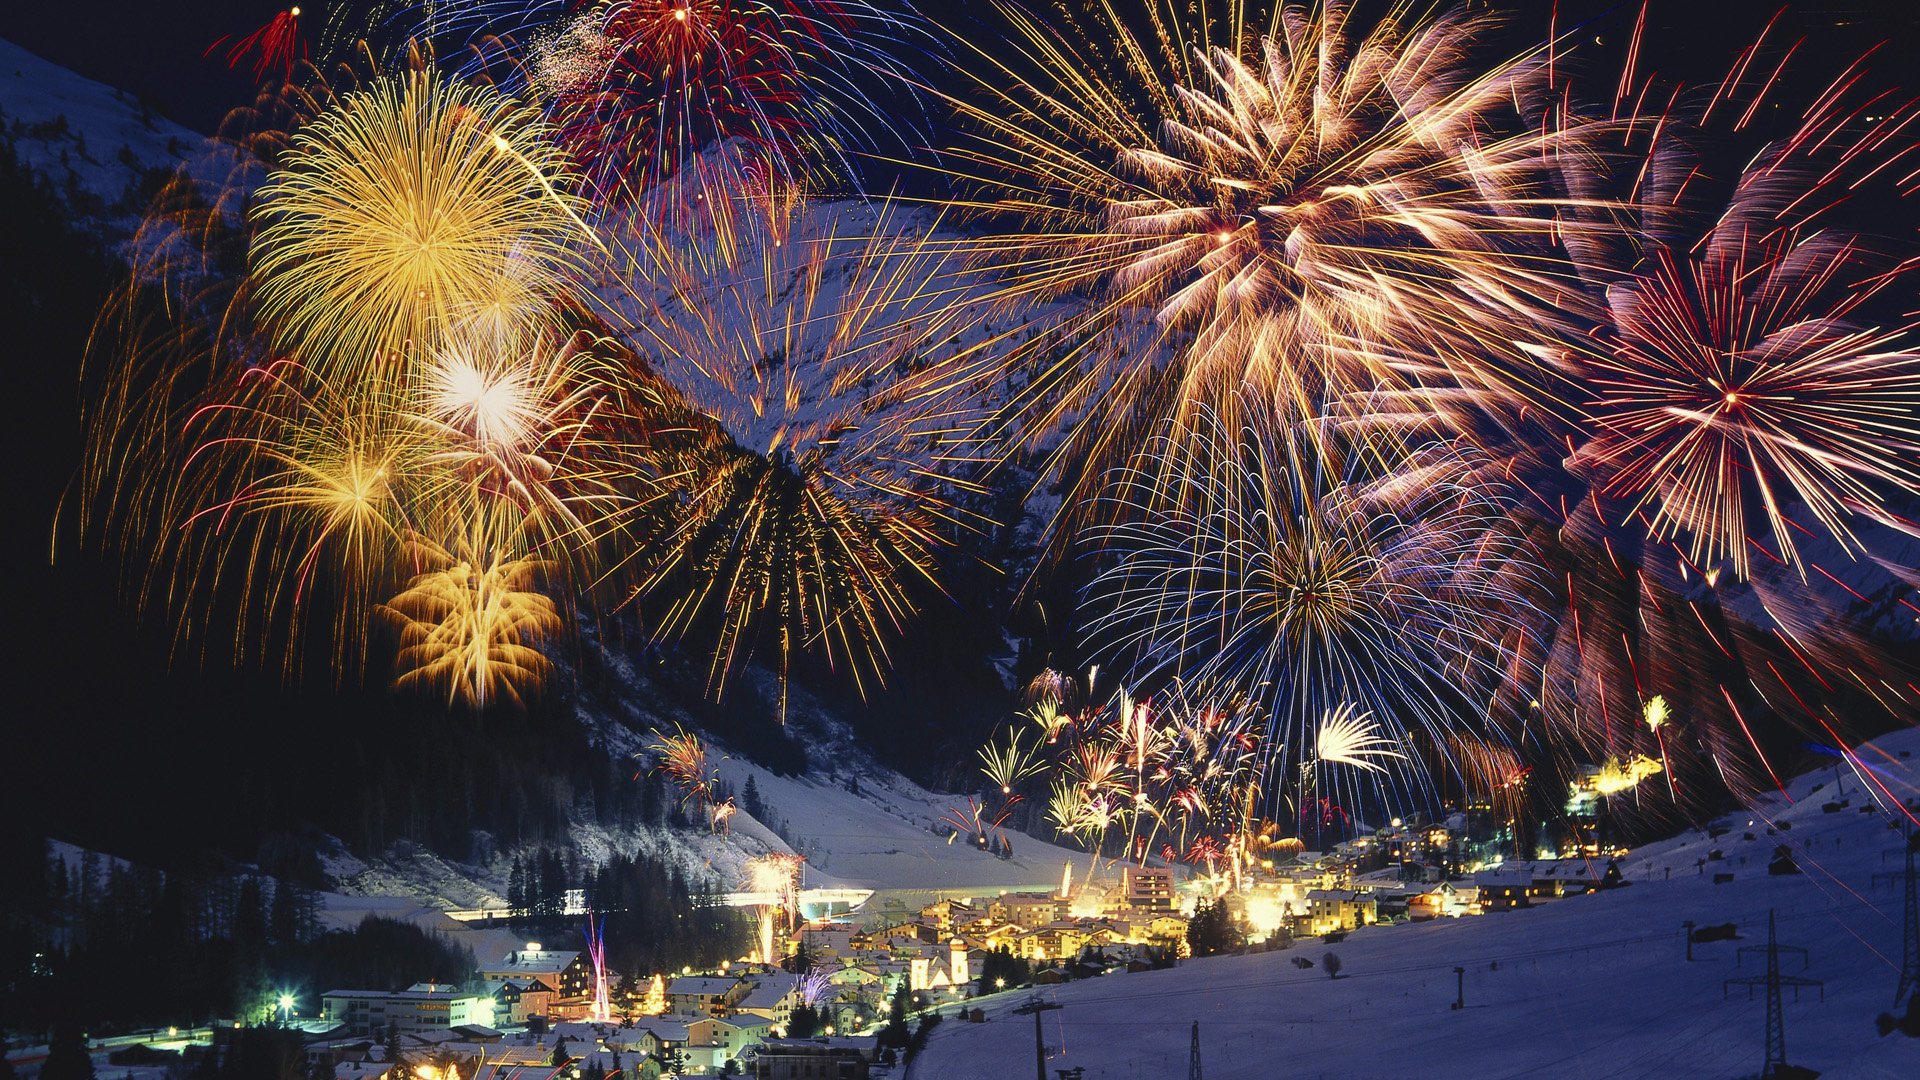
column 834, row 996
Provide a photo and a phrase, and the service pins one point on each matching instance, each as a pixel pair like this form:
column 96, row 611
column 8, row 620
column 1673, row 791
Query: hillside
column 1594, row 986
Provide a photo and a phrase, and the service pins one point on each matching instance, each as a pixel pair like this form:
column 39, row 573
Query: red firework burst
column 275, row 47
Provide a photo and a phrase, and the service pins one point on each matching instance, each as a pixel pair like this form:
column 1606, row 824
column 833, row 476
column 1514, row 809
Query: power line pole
column 1910, row 958
column 1776, row 1059
column 1036, row 1007
column 1776, row 1018
column 1193, row 1057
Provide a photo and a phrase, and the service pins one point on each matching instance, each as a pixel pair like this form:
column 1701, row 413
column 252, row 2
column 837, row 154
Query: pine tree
column 67, row 1053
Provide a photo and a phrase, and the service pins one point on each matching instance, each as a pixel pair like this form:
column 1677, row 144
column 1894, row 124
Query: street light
column 286, row 1007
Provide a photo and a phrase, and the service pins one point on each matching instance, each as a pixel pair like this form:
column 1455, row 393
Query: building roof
column 534, row 961
column 701, row 985
column 414, row 993
column 768, row 991
column 1503, row 878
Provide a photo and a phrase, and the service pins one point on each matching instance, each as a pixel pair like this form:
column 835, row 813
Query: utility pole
column 1910, row 951
column 1036, row 1007
column 1776, row 1060
column 1193, row 1057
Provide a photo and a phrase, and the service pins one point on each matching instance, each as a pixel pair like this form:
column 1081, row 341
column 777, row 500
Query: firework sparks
column 684, row 109
column 1254, row 200
column 806, row 522
column 683, row 758
column 275, row 47
column 472, row 626
column 1280, row 570
column 1350, row 737
column 396, row 212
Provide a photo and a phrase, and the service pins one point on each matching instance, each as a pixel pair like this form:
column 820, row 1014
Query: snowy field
column 1589, row 987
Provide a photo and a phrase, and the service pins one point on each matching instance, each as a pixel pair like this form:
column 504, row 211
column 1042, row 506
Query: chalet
column 565, row 971
column 714, row 1041
column 1505, row 889
column 772, row 996
column 709, row 995
column 828, row 939
column 650, row 1037
column 1555, row 878
column 514, row 1000
column 943, row 914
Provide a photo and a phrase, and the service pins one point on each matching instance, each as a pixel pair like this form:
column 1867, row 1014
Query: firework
column 1291, row 572
column 1007, row 765
column 517, row 421
column 401, row 209
column 683, row 757
column 1716, row 444
column 472, row 625
column 1247, row 203
column 1350, row 737
column 685, row 109
column 275, row 47
column 807, row 509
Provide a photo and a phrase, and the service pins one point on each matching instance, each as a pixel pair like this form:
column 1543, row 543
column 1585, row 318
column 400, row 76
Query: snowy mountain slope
column 1593, row 986
column 94, row 143
column 885, row 835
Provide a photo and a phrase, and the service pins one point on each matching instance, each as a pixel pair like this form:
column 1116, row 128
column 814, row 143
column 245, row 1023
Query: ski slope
column 1587, row 987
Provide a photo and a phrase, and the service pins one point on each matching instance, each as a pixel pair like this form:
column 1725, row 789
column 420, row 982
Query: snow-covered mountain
column 1591, row 986
column 97, row 146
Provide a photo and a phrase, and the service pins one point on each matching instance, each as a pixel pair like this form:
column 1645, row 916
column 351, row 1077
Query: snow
column 83, row 135
column 1593, row 986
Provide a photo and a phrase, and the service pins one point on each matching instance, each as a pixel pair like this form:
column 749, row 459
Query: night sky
column 105, row 711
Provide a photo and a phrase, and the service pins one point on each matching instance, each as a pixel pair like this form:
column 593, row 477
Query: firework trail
column 1716, row 443
column 398, row 214
column 1289, row 570
column 807, row 501
column 275, row 48
column 1248, row 202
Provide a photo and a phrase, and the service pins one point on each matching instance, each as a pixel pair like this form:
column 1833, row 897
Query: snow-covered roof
column 701, row 985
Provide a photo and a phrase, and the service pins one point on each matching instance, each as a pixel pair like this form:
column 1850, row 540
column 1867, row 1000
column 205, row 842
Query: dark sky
column 155, row 47
column 91, row 670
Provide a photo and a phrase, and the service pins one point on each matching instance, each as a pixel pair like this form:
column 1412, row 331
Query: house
column 1332, row 911
column 1505, row 888
column 1555, row 878
column 651, row 1037
column 1027, row 910
column 1432, row 901
column 514, row 1000
column 943, row 914
column 419, row 1008
column 812, row 1059
column 1060, row 939
column 564, row 971
column 827, row 939
column 1148, row 889
column 712, row 995
column 714, row 1041
column 773, row 996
